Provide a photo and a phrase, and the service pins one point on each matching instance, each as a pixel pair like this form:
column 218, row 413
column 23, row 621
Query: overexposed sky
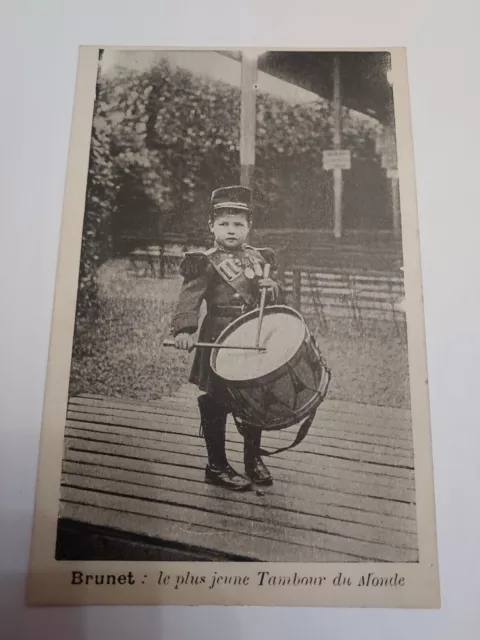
column 208, row 64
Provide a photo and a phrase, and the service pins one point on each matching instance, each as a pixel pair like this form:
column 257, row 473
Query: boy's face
column 230, row 229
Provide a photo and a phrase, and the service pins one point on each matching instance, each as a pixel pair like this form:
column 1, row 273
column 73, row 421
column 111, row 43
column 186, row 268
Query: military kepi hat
column 236, row 197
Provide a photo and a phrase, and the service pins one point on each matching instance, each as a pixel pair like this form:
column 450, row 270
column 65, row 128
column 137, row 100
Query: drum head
column 283, row 332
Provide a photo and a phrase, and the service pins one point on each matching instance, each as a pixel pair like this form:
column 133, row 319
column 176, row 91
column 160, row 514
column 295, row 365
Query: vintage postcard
column 236, row 409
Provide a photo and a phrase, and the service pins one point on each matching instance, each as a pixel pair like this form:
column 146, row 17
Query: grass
column 123, row 356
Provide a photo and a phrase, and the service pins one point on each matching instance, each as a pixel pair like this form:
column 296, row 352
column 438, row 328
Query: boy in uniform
column 229, row 277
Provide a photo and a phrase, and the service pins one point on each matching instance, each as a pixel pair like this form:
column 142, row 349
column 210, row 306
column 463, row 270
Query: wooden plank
column 368, row 410
column 336, row 303
column 300, row 482
column 359, row 295
column 102, row 398
column 327, row 430
column 181, row 444
column 321, row 427
column 351, row 264
column 325, row 466
column 334, row 458
column 350, row 411
column 312, row 444
column 345, row 280
column 337, row 458
column 305, row 467
column 401, row 417
column 346, row 301
column 368, row 315
column 271, row 438
column 318, row 274
column 317, row 437
column 180, row 407
column 183, row 416
column 187, row 480
column 374, row 275
column 341, row 287
column 324, row 283
column 364, row 306
column 308, row 464
column 285, row 436
column 195, row 536
column 266, row 513
column 332, row 404
column 315, row 541
column 342, row 290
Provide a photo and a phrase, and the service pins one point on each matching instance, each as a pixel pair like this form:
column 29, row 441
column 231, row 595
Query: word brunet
column 99, row 579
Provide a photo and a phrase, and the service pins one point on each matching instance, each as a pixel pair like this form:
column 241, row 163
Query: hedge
column 163, row 139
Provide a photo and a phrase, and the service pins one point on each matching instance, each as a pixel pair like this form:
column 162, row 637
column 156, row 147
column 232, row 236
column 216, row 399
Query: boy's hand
column 184, row 341
column 266, row 283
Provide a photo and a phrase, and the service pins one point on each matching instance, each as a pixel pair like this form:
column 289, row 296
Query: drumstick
column 211, row 345
column 266, row 273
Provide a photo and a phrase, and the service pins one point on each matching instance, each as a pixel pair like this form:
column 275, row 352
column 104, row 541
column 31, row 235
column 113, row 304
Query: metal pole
column 337, row 144
column 396, row 206
column 392, row 163
column 297, row 288
column 263, row 297
column 248, row 118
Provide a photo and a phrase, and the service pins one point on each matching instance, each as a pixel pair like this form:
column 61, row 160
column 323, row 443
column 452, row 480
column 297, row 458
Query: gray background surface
column 38, row 63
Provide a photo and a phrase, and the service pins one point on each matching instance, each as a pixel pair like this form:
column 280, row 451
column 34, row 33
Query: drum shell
column 285, row 396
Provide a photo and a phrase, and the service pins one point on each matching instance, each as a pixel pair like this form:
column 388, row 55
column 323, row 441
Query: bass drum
column 281, row 386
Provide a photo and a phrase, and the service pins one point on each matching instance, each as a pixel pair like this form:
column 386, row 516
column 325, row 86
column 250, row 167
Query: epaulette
column 194, row 264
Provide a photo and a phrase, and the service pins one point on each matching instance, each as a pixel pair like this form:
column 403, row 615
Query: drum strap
column 232, row 275
column 301, row 434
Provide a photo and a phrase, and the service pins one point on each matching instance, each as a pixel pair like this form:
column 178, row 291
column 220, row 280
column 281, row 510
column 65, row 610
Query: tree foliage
column 163, row 139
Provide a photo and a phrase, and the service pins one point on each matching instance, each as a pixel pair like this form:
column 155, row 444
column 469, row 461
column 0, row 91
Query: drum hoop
column 285, row 423
column 241, row 320
column 311, row 405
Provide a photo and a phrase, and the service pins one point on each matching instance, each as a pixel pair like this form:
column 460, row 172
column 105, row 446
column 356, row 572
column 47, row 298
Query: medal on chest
column 232, row 267
column 252, row 268
column 248, row 272
column 238, row 270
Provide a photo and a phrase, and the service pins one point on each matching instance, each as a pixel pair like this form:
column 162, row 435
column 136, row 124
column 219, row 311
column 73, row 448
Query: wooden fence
column 343, row 293
column 354, row 290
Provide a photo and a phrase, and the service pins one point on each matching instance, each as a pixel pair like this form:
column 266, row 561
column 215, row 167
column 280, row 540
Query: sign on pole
column 337, row 159
column 389, row 160
column 388, row 149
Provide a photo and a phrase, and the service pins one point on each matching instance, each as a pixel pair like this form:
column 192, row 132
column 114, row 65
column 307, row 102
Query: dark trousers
column 214, row 410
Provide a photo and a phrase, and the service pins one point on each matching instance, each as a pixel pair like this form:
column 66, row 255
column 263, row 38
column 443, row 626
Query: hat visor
column 231, row 205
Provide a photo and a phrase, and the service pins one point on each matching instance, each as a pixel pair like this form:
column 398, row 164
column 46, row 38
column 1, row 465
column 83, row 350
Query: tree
column 163, row 139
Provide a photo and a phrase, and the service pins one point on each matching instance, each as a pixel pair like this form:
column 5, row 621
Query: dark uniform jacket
column 224, row 302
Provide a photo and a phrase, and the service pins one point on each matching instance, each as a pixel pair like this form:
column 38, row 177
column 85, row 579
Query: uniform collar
column 235, row 251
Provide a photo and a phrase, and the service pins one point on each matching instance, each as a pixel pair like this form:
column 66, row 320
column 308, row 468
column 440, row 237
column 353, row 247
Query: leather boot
column 254, row 465
column 213, row 424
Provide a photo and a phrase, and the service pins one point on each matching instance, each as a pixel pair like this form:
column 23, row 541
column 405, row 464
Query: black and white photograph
column 245, row 361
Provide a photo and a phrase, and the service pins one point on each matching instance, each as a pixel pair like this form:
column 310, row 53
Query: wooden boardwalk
column 345, row 494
